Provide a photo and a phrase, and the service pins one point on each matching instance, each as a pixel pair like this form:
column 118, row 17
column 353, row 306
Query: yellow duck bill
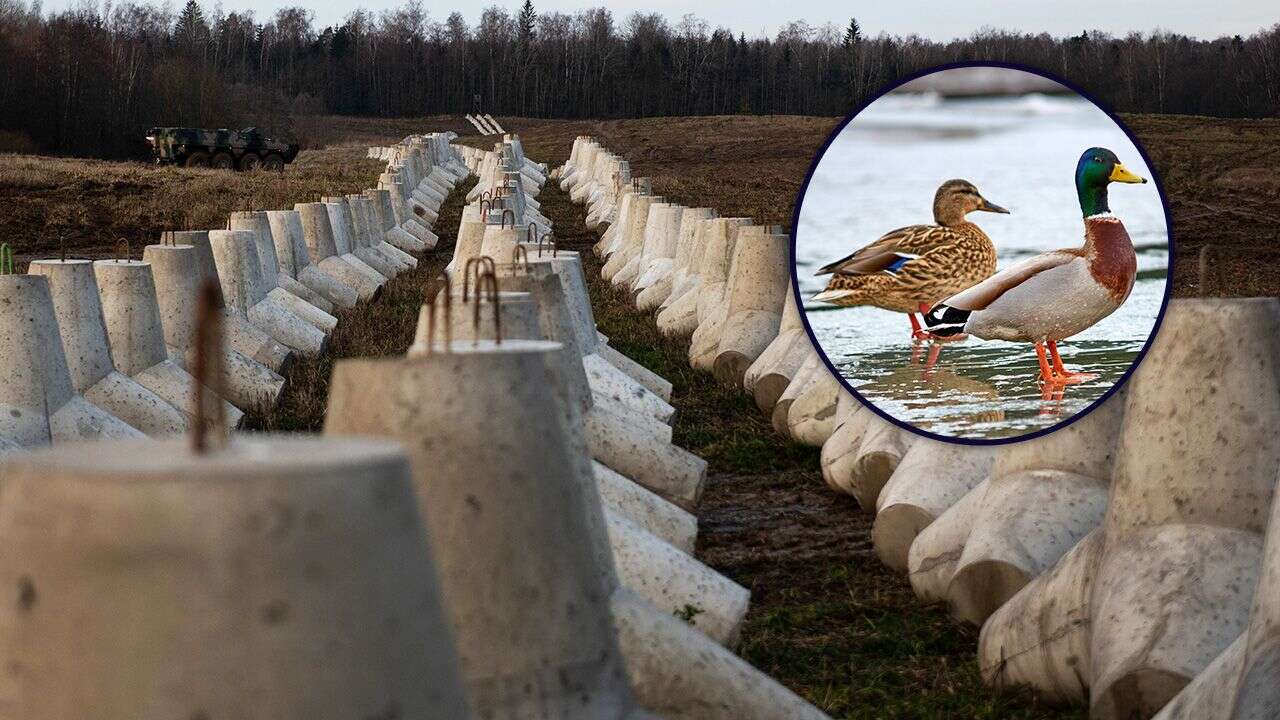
column 1120, row 173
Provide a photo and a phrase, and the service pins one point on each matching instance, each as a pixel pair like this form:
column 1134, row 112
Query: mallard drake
column 1055, row 295
column 911, row 268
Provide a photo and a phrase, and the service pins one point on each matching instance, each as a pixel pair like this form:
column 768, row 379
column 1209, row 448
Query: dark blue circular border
column 1168, row 221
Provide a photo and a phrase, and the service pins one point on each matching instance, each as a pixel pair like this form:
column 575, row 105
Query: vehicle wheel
column 273, row 162
column 222, row 161
column 250, row 161
column 197, row 159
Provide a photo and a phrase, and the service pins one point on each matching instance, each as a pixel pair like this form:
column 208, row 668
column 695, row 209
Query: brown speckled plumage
column 940, row 260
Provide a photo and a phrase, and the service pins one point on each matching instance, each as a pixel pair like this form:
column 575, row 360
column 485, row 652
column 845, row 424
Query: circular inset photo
column 982, row 253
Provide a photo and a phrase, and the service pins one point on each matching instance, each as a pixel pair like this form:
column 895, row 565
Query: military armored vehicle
column 246, row 149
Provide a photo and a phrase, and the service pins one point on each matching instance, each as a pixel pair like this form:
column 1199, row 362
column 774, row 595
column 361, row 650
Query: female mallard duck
column 911, row 268
column 1057, row 294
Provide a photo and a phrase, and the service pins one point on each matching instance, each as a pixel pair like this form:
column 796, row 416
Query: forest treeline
column 90, row 80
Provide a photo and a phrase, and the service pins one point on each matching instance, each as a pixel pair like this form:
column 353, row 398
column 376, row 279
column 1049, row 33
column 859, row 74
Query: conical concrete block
column 658, row 256
column 286, row 228
column 931, row 477
column 1188, row 507
column 282, row 578
column 881, row 450
column 805, row 377
column 38, row 403
column 678, row 316
column 768, row 377
column 526, row 596
column 322, row 245
column 628, row 499
column 132, row 313
column 470, row 238
column 84, row 339
column 242, row 290
column 239, row 334
column 246, row 383
column 1044, row 496
column 633, row 237
column 653, row 234
column 651, row 380
column 713, row 306
column 1040, row 638
column 681, row 674
column 283, row 288
column 811, row 419
column 753, row 302
column 368, row 235
column 344, row 240
column 932, row 558
column 376, row 227
column 717, row 256
column 840, row 451
column 674, row 582
column 657, row 291
column 1210, row 694
column 1256, row 695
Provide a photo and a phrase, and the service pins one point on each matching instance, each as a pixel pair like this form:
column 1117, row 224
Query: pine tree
column 191, row 28
column 525, row 23
column 852, row 34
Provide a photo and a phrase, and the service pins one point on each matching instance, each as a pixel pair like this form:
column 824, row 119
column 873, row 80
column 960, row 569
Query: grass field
column 827, row 619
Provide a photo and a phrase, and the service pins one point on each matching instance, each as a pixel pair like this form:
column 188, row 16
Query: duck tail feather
column 833, row 295
column 945, row 321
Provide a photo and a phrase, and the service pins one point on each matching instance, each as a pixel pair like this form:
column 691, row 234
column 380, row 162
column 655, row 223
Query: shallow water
column 881, row 173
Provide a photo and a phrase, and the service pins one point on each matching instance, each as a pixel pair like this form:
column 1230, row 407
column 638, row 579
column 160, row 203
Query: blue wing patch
column 896, row 265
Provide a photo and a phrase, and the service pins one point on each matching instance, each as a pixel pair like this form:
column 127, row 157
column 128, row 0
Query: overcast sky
column 940, row 20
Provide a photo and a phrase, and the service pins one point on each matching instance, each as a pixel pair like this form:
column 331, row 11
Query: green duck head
column 1098, row 168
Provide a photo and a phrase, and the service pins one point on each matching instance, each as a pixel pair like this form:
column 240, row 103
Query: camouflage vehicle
column 222, row 149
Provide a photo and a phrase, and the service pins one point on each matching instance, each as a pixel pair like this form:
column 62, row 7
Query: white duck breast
column 1048, row 297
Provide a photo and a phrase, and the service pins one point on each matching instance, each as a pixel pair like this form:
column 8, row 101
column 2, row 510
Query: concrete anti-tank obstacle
column 244, row 293
column 38, row 404
column 617, row 437
column 880, row 451
column 391, row 230
column 1043, row 497
column 534, row 636
column 1040, row 638
column 688, row 254
column 134, row 328
column 342, row 232
column 317, row 231
column 175, row 269
column 651, row 380
column 682, row 675
column 623, row 497
column 656, row 292
column 840, row 451
column 381, row 222
column 768, row 377
column 611, row 239
column 239, row 333
column 713, row 310
column 333, row 618
column 88, row 352
column 1257, row 696
column 295, row 260
column 347, row 234
column 371, row 235
column 698, row 670
column 632, row 237
column 1209, row 696
column 1187, row 508
column 285, row 290
column 753, row 302
column 656, row 227
column 805, row 377
column 811, row 419
column 934, row 554
column 658, row 258
column 931, row 477
column 664, row 574
column 678, row 316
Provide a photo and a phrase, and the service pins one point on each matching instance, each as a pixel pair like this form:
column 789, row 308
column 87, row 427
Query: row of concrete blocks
column 1019, row 540
column 646, row 484
column 103, row 349
column 317, row 566
column 485, row 124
